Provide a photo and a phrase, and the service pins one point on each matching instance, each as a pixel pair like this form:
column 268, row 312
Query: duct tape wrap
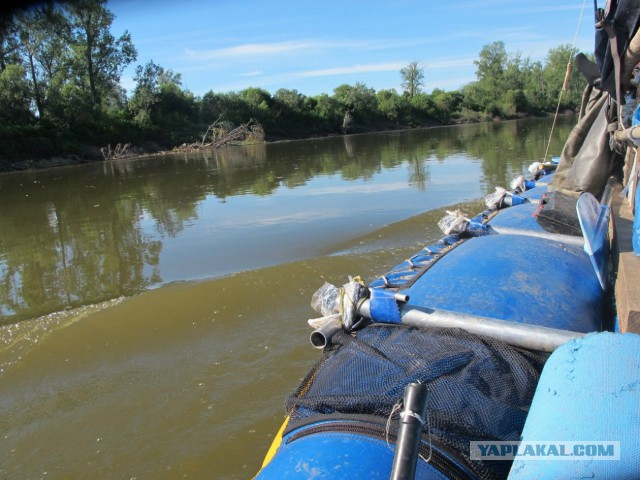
column 384, row 307
column 517, row 200
column 501, row 199
column 351, row 295
column 477, row 229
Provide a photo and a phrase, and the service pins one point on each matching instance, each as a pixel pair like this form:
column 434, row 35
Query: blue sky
column 315, row 46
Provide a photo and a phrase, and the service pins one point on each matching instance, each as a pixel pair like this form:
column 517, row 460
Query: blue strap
column 383, row 307
column 517, row 199
column 476, row 229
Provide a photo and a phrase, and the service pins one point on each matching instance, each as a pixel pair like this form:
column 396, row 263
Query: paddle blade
column 594, row 222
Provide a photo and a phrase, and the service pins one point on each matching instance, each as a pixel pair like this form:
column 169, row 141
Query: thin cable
column 395, row 408
column 573, row 47
column 428, row 459
column 398, row 406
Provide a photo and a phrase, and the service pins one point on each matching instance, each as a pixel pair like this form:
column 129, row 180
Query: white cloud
column 383, row 67
column 254, row 73
column 278, row 48
column 250, row 49
column 449, row 63
column 349, row 70
column 303, row 46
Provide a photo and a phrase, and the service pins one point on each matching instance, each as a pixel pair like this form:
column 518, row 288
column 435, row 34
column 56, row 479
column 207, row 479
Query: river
column 153, row 311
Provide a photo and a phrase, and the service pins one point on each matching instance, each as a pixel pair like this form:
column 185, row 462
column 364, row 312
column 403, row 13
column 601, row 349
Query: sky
column 316, row 46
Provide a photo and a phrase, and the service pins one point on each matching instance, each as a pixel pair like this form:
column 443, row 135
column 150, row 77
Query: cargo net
column 479, row 389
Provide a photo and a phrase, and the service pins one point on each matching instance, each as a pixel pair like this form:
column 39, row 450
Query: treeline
column 60, row 71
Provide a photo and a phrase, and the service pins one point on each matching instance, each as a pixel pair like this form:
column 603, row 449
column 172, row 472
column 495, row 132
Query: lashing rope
column 565, row 84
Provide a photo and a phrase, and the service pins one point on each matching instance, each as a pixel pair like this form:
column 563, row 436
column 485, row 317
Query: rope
column 565, row 84
column 429, row 437
column 395, row 408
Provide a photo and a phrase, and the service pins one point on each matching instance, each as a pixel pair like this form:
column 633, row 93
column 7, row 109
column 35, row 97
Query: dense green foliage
column 60, row 71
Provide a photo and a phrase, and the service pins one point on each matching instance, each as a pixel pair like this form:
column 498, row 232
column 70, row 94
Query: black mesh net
column 480, row 389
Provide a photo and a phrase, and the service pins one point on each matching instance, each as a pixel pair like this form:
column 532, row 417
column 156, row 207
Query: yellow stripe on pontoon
column 275, row 445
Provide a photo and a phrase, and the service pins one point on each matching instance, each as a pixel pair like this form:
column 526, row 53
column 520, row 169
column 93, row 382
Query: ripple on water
column 17, row 339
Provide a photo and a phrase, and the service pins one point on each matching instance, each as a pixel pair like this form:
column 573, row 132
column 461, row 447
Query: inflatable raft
column 471, row 319
column 494, row 353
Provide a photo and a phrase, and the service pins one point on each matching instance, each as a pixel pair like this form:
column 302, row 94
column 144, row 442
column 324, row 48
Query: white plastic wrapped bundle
column 330, row 301
column 518, row 183
column 453, row 222
column 535, row 167
column 493, row 199
column 325, row 300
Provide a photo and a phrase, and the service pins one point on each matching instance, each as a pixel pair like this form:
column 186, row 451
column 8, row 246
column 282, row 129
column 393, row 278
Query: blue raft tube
column 505, row 325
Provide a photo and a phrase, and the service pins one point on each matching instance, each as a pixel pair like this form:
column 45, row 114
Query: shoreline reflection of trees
column 96, row 232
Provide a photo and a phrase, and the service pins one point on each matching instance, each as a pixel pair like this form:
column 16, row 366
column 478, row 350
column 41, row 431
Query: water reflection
column 79, row 235
column 66, row 240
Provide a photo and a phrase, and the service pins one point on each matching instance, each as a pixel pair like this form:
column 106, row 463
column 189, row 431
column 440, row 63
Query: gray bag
column 587, row 160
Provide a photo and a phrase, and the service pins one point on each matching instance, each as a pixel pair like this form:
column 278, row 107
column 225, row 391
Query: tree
column 554, row 73
column 15, row 96
column 149, row 82
column 412, row 78
column 160, row 106
column 500, row 88
column 328, row 111
column 490, row 72
column 534, row 85
column 175, row 114
column 446, row 104
column 41, row 31
column 422, row 107
column 492, row 62
column 228, row 107
column 513, row 98
column 8, row 42
column 292, row 113
column 257, row 99
column 358, row 100
column 291, row 99
column 31, row 37
column 391, row 105
column 99, row 57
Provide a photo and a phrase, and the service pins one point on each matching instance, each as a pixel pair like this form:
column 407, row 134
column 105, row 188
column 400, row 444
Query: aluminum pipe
column 531, row 337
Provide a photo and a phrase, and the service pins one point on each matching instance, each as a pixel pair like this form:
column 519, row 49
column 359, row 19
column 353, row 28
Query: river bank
column 92, row 154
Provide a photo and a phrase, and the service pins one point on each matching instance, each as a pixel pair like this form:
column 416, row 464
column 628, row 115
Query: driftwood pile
column 218, row 134
column 222, row 133
column 119, row 152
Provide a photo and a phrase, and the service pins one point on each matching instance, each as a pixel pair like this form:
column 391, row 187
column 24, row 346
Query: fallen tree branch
column 120, row 151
